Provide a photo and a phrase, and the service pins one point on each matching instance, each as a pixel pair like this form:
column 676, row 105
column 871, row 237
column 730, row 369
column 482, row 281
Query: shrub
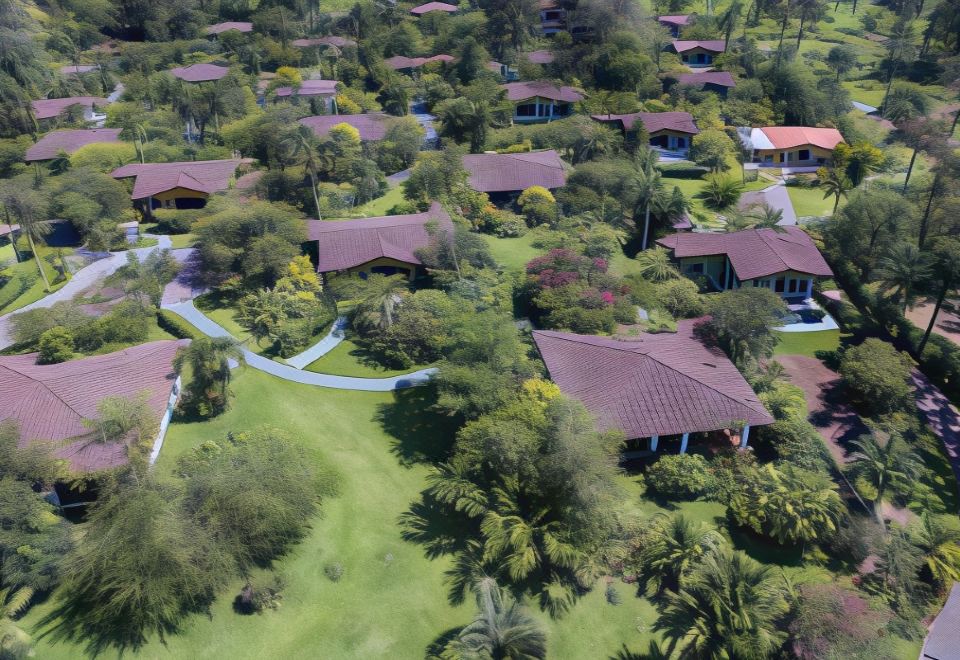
column 333, row 571
column 56, row 345
column 681, row 298
column 260, row 595
column 679, row 475
column 721, row 191
column 176, row 326
column 878, row 376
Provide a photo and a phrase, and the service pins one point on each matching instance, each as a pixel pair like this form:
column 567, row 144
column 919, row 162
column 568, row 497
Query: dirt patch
column 948, row 322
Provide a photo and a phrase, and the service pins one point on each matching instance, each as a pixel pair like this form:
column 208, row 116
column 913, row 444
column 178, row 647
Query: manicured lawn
column 512, row 253
column 381, row 205
column 11, row 296
column 182, row 240
column 807, row 343
column 349, row 359
column 810, row 201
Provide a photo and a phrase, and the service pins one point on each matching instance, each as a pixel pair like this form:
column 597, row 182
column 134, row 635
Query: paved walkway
column 208, row 327
column 81, row 280
column 948, row 322
column 322, row 347
column 942, row 417
column 776, row 197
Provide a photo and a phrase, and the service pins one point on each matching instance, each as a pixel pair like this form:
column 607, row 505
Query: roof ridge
column 43, row 384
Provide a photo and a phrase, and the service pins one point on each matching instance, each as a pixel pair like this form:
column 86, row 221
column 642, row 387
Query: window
column 694, row 268
column 685, row 58
column 527, row 110
column 681, row 143
column 793, row 286
column 779, row 285
column 803, row 154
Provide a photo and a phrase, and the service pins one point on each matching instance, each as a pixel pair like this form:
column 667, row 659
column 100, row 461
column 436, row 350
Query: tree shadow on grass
column 437, row 646
column 420, row 434
column 764, row 550
column 431, row 524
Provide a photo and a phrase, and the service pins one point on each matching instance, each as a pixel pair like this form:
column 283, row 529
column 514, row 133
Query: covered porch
column 679, row 443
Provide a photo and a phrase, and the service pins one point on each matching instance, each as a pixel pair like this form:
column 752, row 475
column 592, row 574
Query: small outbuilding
column 675, row 23
column 45, row 110
column 184, row 185
column 197, row 73
column 719, row 82
column 227, row 26
column 445, row 7
column 790, row 146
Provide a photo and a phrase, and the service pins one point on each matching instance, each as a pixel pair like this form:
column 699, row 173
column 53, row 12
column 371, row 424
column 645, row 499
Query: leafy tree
column 55, row 345
column 713, row 149
column 904, row 270
column 28, row 207
column 674, row 547
column 834, row 182
column 857, row 160
column 742, row 322
column 678, row 475
column 464, row 120
column 842, row 59
column 501, row 629
column 878, row 375
column 14, row 640
column 302, row 144
column 208, row 392
column 869, row 224
column 881, row 466
column 939, row 538
column 906, row 101
column 375, row 299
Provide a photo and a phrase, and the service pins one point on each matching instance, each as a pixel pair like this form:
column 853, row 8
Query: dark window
column 561, row 110
column 527, row 110
column 779, row 286
column 803, row 154
column 390, row 270
column 695, row 268
column 793, row 286
column 190, row 202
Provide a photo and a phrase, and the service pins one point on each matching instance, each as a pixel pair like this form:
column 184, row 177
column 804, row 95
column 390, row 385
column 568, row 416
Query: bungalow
column 330, row 40
column 698, row 53
column 55, row 142
column 372, row 126
column 434, row 6
column 197, row 73
column 506, row 175
column 795, row 146
column 50, row 402
column 45, row 110
column 77, row 69
column 553, row 17
column 385, row 245
column 540, row 100
column 671, row 131
column 322, row 91
column 185, row 185
column 675, row 23
column 718, row 82
column 238, row 26
column 408, row 64
column 542, row 57
column 786, row 262
column 505, row 71
column 660, row 387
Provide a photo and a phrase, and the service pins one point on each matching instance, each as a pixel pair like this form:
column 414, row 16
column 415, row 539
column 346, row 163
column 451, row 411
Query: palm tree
column 14, row 641
column 502, row 629
column 209, row 359
column 939, row 537
column 834, row 182
column 729, row 607
column 903, row 270
column 721, row 191
column 28, row 207
column 729, row 20
column 302, row 145
column 901, row 49
column 375, row 299
column 656, row 266
column 645, row 187
column 675, row 545
column 946, row 275
column 881, row 464
column 764, row 216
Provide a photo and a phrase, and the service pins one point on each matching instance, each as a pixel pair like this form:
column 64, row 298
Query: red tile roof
column 372, row 125
column 77, row 68
column 721, row 78
column 655, row 384
column 206, row 176
column 679, row 20
column 50, row 402
column 343, row 244
column 682, row 122
column 714, row 46
column 200, row 72
column 338, row 42
column 398, row 62
column 239, row 26
column 53, row 143
column 434, row 6
column 540, row 57
column 47, row 108
column 755, row 252
column 787, row 137
column 521, row 91
column 310, row 88
column 509, row 172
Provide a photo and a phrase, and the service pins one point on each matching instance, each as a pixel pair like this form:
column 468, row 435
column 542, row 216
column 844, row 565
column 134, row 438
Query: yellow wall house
column 185, row 185
column 791, row 146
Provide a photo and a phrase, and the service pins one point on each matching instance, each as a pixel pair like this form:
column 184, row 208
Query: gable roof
column 47, row 108
column 330, row 40
column 239, row 26
column 540, row 57
column 310, row 88
column 943, row 638
column 77, row 68
column 509, row 172
column 655, row 384
column 200, row 72
column 755, row 252
column 787, row 137
column 520, row 91
column 206, row 176
column 714, row 45
column 343, row 244
column 681, row 122
column 678, row 19
column 434, row 6
column 54, row 142
column 721, row 78
column 398, row 62
column 372, row 126
column 50, row 402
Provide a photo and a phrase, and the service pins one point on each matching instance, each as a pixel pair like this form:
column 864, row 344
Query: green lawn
column 12, row 297
column 182, row 240
column 512, row 253
column 349, row 359
column 807, row 343
column 810, row 201
column 380, row 205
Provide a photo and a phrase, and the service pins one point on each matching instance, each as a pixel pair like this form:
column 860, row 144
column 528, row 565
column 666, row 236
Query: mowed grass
column 810, row 202
column 807, row 343
column 11, row 297
column 350, row 359
column 512, row 254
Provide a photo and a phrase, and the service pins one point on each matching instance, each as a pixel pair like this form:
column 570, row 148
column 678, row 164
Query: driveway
column 776, row 197
column 941, row 416
column 948, row 323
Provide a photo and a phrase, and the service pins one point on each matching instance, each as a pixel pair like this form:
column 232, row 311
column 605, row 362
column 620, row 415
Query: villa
column 786, row 262
column 198, row 73
column 185, row 185
column 540, row 101
column 56, row 142
column 331, row 40
column 795, row 146
column 675, row 23
column 76, row 69
column 372, row 126
column 385, row 245
column 655, row 387
column 50, row 402
column 238, row 26
column 553, row 17
column 698, row 53
column 51, row 109
column 323, row 91
column 434, row 6
column 670, row 131
column 503, row 176
column 719, row 82
column 408, row 64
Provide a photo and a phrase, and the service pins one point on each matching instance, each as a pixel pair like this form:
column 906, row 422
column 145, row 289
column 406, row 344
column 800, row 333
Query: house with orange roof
column 790, row 146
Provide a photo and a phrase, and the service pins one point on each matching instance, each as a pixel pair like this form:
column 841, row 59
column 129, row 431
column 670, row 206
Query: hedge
column 177, row 326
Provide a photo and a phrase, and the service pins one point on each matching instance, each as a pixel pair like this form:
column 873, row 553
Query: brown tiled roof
column 206, row 176
column 50, row 402
column 433, row 6
column 682, row 122
column 398, row 62
column 343, row 244
column 310, row 88
column 755, row 252
column 679, row 20
column 787, row 137
column 47, row 108
column 239, row 26
column 509, row 172
column 331, row 40
column 655, row 384
column 77, row 68
column 520, row 91
column 53, row 143
column 721, row 78
column 200, row 72
column 714, row 46
column 372, row 125
column 540, row 57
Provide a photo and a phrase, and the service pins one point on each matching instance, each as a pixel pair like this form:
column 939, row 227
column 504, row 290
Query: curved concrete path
column 322, row 347
column 189, row 312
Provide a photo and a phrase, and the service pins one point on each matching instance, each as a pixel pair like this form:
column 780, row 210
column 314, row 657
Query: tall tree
column 209, row 359
column 946, row 278
column 644, row 187
column 501, row 629
column 904, row 270
column 29, row 208
column 302, row 146
column 674, row 546
column 883, row 464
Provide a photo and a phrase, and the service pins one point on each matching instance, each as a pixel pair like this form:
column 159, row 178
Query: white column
column 744, row 436
column 654, row 440
column 810, row 287
column 683, row 443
